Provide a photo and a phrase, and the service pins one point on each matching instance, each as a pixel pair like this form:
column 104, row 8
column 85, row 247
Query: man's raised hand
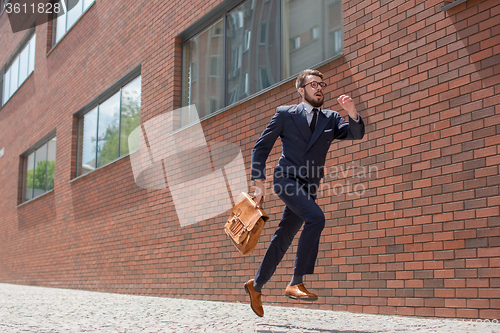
column 348, row 104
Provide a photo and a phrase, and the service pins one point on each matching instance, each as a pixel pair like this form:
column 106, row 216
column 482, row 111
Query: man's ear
column 301, row 91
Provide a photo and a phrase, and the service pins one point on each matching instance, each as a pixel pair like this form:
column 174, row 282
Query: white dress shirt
column 309, row 114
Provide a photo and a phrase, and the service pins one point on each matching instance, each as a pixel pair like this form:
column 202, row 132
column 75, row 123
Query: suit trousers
column 300, row 207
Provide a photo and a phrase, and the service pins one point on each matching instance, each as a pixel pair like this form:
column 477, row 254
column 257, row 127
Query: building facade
column 101, row 148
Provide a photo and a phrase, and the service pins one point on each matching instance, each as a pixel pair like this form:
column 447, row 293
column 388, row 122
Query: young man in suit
column 306, row 132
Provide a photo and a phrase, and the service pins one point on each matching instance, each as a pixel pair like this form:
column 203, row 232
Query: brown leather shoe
column 255, row 301
column 300, row 292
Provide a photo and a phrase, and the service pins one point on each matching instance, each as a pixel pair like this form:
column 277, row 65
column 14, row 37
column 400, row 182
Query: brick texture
column 412, row 210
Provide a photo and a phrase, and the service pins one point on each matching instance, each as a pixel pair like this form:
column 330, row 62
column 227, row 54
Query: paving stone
column 52, row 310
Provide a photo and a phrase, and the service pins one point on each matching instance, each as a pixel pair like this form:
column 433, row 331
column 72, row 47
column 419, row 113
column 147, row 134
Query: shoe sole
column 307, row 299
column 248, row 292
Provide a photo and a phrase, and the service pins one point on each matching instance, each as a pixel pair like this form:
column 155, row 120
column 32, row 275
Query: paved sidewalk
column 51, row 310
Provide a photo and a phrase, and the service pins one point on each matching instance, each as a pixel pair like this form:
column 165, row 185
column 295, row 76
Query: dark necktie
column 312, row 125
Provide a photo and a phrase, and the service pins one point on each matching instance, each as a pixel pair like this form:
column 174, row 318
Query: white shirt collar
column 308, row 107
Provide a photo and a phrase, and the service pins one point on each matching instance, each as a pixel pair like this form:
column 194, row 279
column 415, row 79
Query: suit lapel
column 299, row 117
column 320, row 126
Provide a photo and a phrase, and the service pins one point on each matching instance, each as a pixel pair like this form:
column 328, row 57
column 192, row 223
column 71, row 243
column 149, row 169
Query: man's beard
column 313, row 101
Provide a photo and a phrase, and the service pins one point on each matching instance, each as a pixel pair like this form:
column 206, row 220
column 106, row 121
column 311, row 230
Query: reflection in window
column 336, row 41
column 40, row 174
column 14, row 76
column 295, row 43
column 213, row 104
column 233, row 96
column 248, row 36
column 39, row 170
column 244, row 76
column 214, row 66
column 315, row 33
column 108, row 130
column 216, row 30
column 306, row 24
column 264, row 79
column 263, row 33
column 22, row 66
column 88, row 138
column 65, row 21
column 194, row 71
column 30, row 164
column 203, row 83
column 104, row 131
column 74, row 13
column 246, row 84
column 266, row 41
column 130, row 112
column 23, row 59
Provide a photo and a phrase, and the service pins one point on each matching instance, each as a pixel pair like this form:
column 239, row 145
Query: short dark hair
column 302, row 76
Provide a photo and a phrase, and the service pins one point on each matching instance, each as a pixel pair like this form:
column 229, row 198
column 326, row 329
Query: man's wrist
column 354, row 117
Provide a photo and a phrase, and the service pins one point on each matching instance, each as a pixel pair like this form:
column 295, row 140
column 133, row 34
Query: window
column 39, row 170
column 335, row 27
column 263, row 33
column 236, row 59
column 260, row 43
column 233, row 96
column 336, row 41
column 315, row 24
column 194, row 71
column 213, row 104
column 104, row 130
column 264, row 78
column 248, row 36
column 22, row 65
column 246, row 84
column 217, row 30
column 65, row 21
column 214, row 66
column 295, row 43
column 204, row 49
column 237, row 19
column 315, row 33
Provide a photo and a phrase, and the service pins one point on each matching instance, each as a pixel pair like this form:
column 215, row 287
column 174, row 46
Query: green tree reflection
column 130, row 119
column 35, row 178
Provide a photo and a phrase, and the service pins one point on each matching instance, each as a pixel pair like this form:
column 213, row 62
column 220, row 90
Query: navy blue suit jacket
column 303, row 153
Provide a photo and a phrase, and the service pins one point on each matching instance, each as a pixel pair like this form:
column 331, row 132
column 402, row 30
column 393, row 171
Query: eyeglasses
column 315, row 84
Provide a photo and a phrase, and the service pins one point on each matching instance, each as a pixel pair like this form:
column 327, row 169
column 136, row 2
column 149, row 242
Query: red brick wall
column 422, row 239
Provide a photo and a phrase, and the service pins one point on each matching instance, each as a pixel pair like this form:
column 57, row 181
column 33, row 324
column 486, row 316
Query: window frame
column 220, row 12
column 24, row 156
column 53, row 30
column 450, row 5
column 103, row 97
column 15, row 56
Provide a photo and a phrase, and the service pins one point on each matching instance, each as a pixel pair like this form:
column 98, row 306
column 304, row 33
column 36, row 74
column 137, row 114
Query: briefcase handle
column 261, row 200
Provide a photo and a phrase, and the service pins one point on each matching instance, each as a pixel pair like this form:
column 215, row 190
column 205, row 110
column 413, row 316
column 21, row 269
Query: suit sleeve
column 264, row 145
column 352, row 130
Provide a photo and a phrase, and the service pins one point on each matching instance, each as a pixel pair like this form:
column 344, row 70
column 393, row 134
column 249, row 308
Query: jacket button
column 301, row 155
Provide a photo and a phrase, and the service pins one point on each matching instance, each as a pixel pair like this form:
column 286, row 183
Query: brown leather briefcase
column 245, row 223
